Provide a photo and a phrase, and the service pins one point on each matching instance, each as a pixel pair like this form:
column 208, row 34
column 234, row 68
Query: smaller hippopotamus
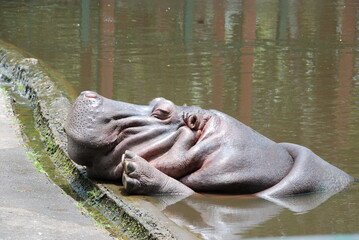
column 162, row 148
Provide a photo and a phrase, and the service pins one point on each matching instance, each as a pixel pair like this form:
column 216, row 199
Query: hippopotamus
column 162, row 148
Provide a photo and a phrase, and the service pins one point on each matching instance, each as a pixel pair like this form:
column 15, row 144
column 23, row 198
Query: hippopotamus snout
column 92, row 113
column 98, row 104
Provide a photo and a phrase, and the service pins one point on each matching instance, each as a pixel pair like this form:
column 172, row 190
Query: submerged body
column 167, row 149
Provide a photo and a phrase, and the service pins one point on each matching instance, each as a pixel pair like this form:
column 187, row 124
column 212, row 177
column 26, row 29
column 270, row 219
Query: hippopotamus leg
column 139, row 177
column 175, row 163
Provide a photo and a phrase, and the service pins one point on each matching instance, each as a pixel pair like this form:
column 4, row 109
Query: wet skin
column 162, row 148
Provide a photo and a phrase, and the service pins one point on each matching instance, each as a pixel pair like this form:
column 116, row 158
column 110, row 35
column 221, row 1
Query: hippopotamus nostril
column 192, row 121
column 89, row 94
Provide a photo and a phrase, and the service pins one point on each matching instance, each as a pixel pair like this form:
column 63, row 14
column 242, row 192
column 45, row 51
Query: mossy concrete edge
column 30, row 77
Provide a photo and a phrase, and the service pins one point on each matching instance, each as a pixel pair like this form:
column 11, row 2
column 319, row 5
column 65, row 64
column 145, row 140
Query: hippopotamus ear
column 155, row 101
column 162, row 108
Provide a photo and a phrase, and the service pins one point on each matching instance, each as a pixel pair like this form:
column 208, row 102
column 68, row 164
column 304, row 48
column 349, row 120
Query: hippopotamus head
column 100, row 130
column 204, row 150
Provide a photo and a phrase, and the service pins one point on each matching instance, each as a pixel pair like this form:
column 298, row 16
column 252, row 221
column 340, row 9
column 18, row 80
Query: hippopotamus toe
column 139, row 177
column 129, row 183
column 128, row 166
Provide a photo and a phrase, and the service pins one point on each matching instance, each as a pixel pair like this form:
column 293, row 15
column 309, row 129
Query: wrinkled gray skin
column 167, row 149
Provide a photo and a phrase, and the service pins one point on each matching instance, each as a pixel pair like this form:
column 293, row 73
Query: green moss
column 16, row 122
column 94, row 196
column 51, row 147
column 34, row 157
column 20, row 87
column 4, row 92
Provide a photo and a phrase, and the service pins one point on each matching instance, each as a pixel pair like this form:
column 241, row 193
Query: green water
column 289, row 69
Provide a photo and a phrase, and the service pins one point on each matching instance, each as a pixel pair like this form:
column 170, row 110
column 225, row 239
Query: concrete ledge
column 37, row 82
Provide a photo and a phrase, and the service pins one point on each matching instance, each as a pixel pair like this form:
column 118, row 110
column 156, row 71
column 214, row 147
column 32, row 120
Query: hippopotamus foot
column 139, row 177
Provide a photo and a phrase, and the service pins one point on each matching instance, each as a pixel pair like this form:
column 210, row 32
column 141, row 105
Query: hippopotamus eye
column 160, row 114
column 163, row 109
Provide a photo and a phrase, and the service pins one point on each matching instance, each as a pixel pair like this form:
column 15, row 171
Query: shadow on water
column 286, row 68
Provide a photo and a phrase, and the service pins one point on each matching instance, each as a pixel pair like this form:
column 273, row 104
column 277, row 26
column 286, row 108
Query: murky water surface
column 289, row 69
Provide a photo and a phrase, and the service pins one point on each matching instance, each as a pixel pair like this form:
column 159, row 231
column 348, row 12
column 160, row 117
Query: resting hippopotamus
column 162, row 148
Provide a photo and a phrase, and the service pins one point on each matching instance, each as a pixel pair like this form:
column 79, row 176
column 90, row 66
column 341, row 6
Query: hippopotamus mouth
column 203, row 150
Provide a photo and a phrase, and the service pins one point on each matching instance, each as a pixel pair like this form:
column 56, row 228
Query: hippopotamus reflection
column 162, row 148
column 214, row 216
